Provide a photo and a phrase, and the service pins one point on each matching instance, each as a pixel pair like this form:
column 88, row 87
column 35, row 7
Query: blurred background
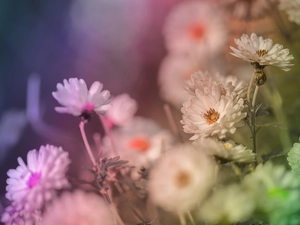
column 119, row 43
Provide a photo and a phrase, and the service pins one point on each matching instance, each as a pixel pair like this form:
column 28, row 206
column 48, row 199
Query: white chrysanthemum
column 276, row 191
column 226, row 151
column 15, row 214
column 78, row 208
column 122, row 111
column 77, row 100
column 35, row 183
column 294, row 158
column 247, row 9
column 174, row 71
column 227, row 205
column 195, row 26
column 211, row 113
column 292, row 8
column 141, row 142
column 262, row 51
column 181, row 179
column 227, row 84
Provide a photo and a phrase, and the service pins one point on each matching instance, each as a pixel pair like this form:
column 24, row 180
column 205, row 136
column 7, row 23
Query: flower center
column 196, row 31
column 261, row 52
column 182, row 179
column 33, row 180
column 88, row 108
column 228, row 146
column 140, row 144
column 211, row 116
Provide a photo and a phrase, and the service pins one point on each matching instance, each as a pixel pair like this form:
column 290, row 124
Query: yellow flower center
column 228, row 146
column 211, row 116
column 182, row 179
column 261, row 52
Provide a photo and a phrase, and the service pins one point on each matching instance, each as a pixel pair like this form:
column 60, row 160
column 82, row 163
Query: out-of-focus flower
column 292, row 8
column 294, row 158
column 276, row 192
column 212, row 112
column 174, row 71
column 255, row 49
column 122, row 111
column 229, row 204
column 141, row 142
column 15, row 214
column 225, row 151
column 247, row 9
column 77, row 100
column 181, row 179
column 35, row 183
column 78, row 208
column 195, row 26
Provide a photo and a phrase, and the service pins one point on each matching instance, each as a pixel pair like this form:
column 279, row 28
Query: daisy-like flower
column 181, row 179
column 292, row 8
column 247, row 9
column 122, row 111
column 294, row 158
column 276, row 192
column 225, row 151
column 77, row 100
column 35, row 183
column 212, row 112
column 237, row 206
column 195, row 26
column 200, row 80
column 256, row 49
column 78, row 208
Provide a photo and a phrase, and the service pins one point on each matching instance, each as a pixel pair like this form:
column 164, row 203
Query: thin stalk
column 191, row 218
column 172, row 123
column 113, row 208
column 181, row 219
column 250, row 87
column 86, row 143
column 119, row 188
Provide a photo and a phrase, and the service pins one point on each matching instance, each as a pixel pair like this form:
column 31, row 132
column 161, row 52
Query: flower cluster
column 208, row 168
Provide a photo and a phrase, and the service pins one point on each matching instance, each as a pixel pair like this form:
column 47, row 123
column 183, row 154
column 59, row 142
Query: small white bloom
column 247, row 9
column 276, row 192
column 35, row 183
column 78, row 208
column 262, row 51
column 227, row 205
column 195, row 26
column 181, row 179
column 212, row 112
column 294, row 158
column 77, row 100
column 122, row 111
column 226, row 151
column 292, row 8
